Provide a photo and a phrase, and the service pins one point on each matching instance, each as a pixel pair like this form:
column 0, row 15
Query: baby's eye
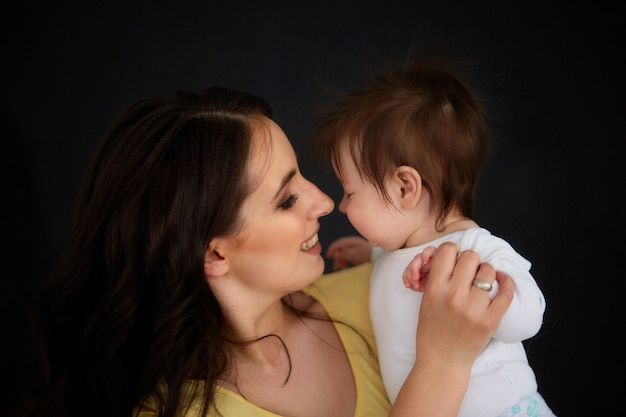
column 347, row 196
column 289, row 202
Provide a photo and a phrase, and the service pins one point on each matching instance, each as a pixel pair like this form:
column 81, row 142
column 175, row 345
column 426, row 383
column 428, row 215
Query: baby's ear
column 215, row 263
column 407, row 186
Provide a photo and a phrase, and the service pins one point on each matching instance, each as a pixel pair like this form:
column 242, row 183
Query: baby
column 408, row 150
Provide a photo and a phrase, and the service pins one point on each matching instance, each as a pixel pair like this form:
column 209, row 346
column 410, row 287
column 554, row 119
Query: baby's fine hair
column 420, row 115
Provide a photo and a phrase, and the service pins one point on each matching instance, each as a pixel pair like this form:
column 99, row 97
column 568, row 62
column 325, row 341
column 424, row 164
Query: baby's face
column 367, row 209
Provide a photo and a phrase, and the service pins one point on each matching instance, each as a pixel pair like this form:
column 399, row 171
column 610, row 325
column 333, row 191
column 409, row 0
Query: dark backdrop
column 551, row 76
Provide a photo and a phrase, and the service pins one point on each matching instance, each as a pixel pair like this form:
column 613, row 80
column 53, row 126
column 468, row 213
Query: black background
column 551, row 76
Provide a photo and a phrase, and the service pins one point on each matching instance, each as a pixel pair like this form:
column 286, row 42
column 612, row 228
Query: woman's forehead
column 272, row 154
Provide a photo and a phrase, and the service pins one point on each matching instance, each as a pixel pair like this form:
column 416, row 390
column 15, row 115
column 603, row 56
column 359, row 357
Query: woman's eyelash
column 289, row 202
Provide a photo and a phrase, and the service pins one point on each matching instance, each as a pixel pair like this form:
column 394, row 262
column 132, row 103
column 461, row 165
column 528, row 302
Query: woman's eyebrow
column 284, row 182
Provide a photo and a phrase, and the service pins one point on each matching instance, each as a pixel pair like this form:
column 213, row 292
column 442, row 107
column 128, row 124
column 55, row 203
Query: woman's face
column 277, row 249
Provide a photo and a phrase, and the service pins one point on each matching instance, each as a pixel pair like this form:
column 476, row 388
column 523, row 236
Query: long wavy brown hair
column 129, row 314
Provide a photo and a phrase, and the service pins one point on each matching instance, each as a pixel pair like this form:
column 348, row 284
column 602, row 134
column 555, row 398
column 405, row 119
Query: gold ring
column 485, row 286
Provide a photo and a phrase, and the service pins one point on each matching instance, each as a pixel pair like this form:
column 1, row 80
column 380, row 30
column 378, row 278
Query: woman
column 191, row 287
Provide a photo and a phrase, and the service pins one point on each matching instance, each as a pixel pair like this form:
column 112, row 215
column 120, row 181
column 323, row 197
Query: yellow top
column 344, row 295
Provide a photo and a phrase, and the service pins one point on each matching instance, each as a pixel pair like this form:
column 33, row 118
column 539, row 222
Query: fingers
column 485, row 278
column 339, row 264
column 502, row 300
column 411, row 276
column 348, row 250
column 443, row 265
column 428, row 253
column 481, row 308
column 488, row 307
column 417, row 271
column 426, row 257
column 337, row 252
column 332, row 249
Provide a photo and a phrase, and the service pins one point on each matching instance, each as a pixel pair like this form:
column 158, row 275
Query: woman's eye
column 289, row 202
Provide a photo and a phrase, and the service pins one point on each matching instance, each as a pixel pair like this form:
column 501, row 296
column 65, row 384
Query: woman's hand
column 456, row 317
column 349, row 251
column 456, row 322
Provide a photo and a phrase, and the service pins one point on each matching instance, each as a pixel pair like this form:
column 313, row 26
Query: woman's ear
column 407, row 186
column 215, row 265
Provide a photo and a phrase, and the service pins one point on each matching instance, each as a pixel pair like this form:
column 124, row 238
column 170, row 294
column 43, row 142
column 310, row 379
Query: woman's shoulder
column 227, row 403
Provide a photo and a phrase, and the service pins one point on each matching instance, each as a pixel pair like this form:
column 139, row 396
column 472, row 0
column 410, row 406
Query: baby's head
column 423, row 116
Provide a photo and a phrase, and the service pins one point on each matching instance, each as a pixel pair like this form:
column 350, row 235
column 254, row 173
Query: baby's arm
column 417, row 270
column 349, row 250
column 524, row 318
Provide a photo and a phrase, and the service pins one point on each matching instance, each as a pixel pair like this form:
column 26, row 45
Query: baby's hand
column 417, row 270
column 349, row 250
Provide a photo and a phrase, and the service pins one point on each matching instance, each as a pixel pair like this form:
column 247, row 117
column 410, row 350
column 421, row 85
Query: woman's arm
column 456, row 322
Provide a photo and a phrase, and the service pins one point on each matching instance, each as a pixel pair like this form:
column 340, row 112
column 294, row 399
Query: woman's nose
column 322, row 202
column 327, row 203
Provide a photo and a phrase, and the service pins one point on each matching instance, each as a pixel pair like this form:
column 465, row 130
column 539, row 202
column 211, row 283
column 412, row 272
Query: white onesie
column 501, row 375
